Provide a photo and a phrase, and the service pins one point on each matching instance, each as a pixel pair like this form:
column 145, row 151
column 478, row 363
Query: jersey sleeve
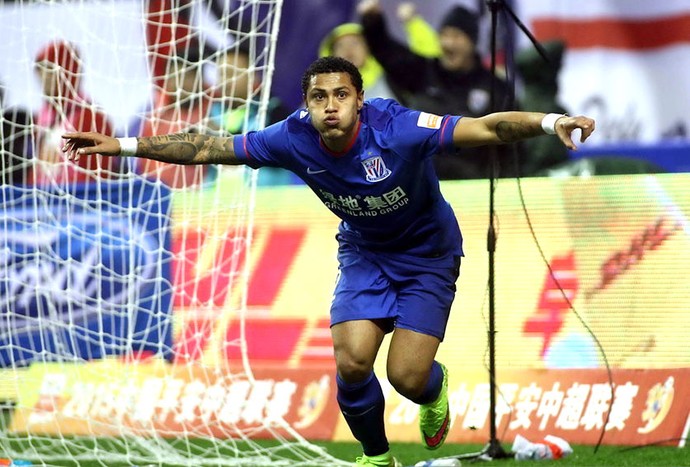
column 263, row 148
column 421, row 133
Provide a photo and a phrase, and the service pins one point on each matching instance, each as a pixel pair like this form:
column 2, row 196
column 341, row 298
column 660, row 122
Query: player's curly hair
column 332, row 65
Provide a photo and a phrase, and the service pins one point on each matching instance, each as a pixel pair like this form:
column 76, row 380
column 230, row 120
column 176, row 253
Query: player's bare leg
column 356, row 344
column 410, row 358
column 415, row 374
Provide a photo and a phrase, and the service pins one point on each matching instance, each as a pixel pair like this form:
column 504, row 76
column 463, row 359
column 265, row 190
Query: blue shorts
column 408, row 292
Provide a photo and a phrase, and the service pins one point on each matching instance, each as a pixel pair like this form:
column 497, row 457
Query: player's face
column 334, row 104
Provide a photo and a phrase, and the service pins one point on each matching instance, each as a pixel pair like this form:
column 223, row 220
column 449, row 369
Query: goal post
column 120, row 277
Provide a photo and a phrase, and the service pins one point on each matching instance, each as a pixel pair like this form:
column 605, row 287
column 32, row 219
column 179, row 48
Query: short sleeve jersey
column 383, row 188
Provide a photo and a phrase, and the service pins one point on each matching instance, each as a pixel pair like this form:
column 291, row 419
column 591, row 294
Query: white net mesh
column 96, row 369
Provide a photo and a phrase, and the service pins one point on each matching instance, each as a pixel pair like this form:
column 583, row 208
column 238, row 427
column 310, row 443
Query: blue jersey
column 383, row 188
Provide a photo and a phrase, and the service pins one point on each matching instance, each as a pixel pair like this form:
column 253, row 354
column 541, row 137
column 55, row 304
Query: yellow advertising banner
column 587, row 271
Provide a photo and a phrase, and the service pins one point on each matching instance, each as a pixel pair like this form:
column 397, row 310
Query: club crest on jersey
column 375, row 169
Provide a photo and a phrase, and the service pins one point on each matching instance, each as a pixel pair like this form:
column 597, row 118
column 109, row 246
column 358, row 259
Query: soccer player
column 399, row 244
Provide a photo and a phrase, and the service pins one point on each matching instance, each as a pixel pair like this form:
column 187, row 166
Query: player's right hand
column 79, row 144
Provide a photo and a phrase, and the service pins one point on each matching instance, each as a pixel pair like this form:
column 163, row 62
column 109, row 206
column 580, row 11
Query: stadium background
column 617, row 245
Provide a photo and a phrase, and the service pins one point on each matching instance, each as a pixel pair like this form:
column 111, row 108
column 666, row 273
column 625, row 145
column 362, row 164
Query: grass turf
column 620, row 456
column 410, row 453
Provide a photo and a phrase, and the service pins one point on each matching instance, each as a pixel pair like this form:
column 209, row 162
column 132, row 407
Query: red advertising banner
column 634, row 407
column 86, row 400
column 580, row 406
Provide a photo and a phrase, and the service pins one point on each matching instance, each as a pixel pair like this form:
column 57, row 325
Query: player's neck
column 341, row 145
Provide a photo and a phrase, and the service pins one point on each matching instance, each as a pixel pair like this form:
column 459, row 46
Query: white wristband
column 548, row 123
column 128, row 146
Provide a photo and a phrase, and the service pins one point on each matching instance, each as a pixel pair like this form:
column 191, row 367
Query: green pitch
column 410, row 453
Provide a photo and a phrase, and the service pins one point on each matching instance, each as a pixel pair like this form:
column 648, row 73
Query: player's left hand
column 565, row 126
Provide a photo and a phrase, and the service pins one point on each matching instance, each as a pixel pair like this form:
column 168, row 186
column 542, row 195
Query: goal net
column 120, row 279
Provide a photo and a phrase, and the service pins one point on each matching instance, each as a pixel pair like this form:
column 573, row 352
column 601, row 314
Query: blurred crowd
column 437, row 69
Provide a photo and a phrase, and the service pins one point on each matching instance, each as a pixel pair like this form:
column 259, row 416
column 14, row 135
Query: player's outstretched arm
column 178, row 148
column 509, row 127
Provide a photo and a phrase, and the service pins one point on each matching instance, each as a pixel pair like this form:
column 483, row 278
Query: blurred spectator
column 16, row 140
column 181, row 105
column 539, row 93
column 58, row 67
column 456, row 82
column 236, row 105
column 347, row 41
column 421, row 36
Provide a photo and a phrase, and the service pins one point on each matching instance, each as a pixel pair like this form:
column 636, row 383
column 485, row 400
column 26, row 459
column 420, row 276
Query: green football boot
column 382, row 460
column 434, row 417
